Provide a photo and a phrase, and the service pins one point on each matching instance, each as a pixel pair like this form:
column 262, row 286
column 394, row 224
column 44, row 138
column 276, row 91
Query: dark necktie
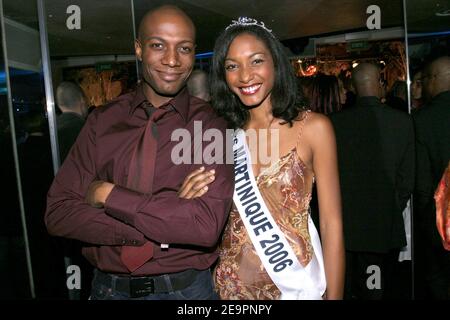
column 140, row 178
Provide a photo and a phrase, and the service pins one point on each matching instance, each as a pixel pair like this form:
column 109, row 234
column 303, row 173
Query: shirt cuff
column 122, row 204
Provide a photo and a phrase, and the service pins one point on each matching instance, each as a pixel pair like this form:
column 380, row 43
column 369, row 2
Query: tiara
column 245, row 21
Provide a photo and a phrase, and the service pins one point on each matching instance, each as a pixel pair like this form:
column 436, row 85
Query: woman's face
column 416, row 86
column 249, row 70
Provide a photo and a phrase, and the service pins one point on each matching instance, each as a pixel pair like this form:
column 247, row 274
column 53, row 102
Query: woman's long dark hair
column 285, row 96
column 325, row 96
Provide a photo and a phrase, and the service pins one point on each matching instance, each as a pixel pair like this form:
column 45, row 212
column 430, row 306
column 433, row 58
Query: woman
column 254, row 88
column 327, row 94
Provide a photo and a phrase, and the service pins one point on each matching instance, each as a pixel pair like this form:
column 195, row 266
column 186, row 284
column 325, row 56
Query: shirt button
column 124, row 241
column 134, row 242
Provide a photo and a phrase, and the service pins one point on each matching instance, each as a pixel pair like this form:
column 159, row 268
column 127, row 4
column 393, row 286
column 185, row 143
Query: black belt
column 141, row 286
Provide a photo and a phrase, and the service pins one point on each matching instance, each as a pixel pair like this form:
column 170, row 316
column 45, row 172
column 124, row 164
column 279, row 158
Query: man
column 71, row 100
column 376, row 167
column 117, row 189
column 198, row 85
column 432, row 124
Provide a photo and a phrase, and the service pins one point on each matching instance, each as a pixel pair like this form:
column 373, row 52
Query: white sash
column 293, row 280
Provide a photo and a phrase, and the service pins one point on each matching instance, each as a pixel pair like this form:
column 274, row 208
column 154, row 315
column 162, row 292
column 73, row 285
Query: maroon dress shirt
column 103, row 151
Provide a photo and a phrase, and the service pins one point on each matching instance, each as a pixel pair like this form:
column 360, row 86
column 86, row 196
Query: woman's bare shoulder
column 309, row 123
column 317, row 130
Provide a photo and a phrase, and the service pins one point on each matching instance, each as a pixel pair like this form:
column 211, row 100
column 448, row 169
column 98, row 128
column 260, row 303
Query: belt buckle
column 141, row 287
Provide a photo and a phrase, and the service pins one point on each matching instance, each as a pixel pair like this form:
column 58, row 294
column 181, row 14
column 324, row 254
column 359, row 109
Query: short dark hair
column 196, row 85
column 285, row 97
column 69, row 94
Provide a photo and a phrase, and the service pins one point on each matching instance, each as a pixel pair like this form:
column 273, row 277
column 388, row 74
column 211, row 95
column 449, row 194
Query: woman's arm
column 319, row 135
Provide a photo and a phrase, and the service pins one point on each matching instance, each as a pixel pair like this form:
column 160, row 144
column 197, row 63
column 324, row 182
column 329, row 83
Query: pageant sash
column 293, row 280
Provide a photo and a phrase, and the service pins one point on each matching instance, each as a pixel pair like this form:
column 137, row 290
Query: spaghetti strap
column 305, row 117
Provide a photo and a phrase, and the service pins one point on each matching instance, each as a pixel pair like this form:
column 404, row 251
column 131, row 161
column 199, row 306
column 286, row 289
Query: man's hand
column 98, row 192
column 196, row 184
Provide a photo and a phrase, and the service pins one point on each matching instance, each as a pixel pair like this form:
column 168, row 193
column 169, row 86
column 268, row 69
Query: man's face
column 416, row 86
column 166, row 48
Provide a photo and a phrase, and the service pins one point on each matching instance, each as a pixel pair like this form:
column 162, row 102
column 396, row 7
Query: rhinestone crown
column 246, row 21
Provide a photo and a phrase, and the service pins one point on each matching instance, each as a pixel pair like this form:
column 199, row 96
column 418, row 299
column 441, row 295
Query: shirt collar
column 180, row 102
column 367, row 100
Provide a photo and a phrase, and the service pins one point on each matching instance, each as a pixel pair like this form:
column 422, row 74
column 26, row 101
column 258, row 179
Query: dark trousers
column 431, row 261
column 437, row 273
column 105, row 287
column 370, row 276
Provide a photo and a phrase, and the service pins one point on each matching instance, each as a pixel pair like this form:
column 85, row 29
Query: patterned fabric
column 286, row 189
column 442, row 198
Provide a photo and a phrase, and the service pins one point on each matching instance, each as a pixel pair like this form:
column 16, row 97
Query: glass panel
column 13, row 261
column 92, row 60
column 428, row 44
column 33, row 142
